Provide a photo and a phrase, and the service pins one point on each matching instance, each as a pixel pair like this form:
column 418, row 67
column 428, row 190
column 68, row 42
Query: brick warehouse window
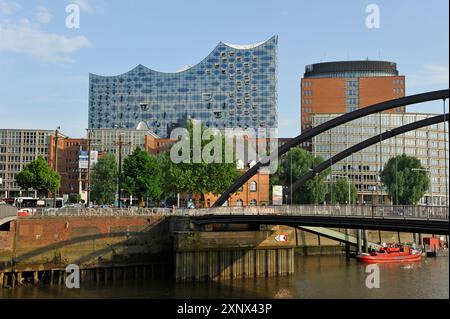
column 253, row 186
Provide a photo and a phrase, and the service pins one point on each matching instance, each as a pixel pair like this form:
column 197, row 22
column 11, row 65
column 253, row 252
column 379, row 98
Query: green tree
column 40, row 176
column 142, row 175
column 297, row 162
column 406, row 180
column 338, row 192
column 74, row 198
column 200, row 178
column 104, row 180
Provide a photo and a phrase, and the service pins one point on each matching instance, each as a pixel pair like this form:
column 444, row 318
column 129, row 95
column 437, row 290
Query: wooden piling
column 19, row 278
column 97, row 275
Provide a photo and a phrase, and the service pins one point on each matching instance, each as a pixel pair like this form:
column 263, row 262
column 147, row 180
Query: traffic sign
column 281, row 237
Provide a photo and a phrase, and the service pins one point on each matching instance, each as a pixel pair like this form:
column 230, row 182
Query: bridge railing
column 367, row 211
column 102, row 212
column 7, row 210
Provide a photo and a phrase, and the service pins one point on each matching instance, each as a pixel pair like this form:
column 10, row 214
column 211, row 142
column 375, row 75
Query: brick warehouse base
column 34, row 249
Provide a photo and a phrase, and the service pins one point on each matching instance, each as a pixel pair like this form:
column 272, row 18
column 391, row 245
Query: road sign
column 281, row 237
column 83, row 159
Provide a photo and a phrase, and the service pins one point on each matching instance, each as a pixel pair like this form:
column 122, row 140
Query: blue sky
column 44, row 66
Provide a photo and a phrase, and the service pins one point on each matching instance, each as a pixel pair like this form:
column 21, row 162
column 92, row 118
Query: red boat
column 392, row 253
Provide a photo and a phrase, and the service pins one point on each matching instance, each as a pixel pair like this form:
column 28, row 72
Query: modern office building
column 429, row 144
column 234, row 86
column 345, row 86
column 19, row 147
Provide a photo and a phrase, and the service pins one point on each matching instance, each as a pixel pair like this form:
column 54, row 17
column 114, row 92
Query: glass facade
column 234, row 86
column 429, row 144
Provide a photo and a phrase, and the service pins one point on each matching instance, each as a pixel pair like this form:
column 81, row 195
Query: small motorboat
column 391, row 253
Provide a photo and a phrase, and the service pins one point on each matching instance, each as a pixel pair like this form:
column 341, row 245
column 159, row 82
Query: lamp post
column 55, row 162
column 119, row 179
column 290, row 165
column 88, row 186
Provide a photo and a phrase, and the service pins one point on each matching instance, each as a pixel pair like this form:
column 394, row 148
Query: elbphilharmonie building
column 234, row 86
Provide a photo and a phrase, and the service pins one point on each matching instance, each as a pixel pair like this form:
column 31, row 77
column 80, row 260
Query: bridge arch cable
column 347, row 117
column 366, row 143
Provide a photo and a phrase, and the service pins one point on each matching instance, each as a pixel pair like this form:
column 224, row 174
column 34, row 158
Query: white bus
column 31, row 202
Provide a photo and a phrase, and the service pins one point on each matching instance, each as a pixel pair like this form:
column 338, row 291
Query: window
column 253, row 186
column 253, row 202
column 239, row 203
column 206, row 96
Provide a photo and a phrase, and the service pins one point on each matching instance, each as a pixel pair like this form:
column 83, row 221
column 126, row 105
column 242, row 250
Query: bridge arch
column 364, row 144
column 307, row 135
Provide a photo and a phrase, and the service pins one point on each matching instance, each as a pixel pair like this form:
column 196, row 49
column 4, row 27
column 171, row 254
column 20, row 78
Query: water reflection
column 315, row 277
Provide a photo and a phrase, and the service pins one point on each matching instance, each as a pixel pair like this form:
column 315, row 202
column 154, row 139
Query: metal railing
column 367, row 211
column 7, row 211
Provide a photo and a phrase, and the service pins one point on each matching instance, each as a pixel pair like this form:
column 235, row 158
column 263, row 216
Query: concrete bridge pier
column 366, row 240
column 420, row 241
column 347, row 245
column 358, row 241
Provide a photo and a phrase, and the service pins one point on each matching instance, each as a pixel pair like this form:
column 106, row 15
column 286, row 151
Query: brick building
column 345, row 86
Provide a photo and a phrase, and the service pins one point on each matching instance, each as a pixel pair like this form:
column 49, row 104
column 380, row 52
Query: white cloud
column 9, row 7
column 430, row 75
column 84, row 5
column 43, row 15
column 28, row 39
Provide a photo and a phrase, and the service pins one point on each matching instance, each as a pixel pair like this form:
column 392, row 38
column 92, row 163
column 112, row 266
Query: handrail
column 367, row 211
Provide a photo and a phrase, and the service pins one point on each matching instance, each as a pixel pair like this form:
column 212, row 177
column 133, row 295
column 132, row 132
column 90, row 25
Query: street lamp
column 431, row 187
column 56, row 161
column 331, row 188
column 119, row 181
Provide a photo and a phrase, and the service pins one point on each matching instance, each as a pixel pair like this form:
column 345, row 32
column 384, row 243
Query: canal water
column 315, row 277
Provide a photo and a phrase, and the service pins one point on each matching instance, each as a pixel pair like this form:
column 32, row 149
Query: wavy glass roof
column 234, row 86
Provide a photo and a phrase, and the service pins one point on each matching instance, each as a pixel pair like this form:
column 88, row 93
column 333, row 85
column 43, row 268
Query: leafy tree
column 314, row 190
column 406, row 179
column 142, row 175
column 74, row 198
column 200, row 178
column 40, row 176
column 339, row 192
column 104, row 180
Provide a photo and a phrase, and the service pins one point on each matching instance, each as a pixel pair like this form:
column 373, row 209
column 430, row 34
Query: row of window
column 240, row 202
